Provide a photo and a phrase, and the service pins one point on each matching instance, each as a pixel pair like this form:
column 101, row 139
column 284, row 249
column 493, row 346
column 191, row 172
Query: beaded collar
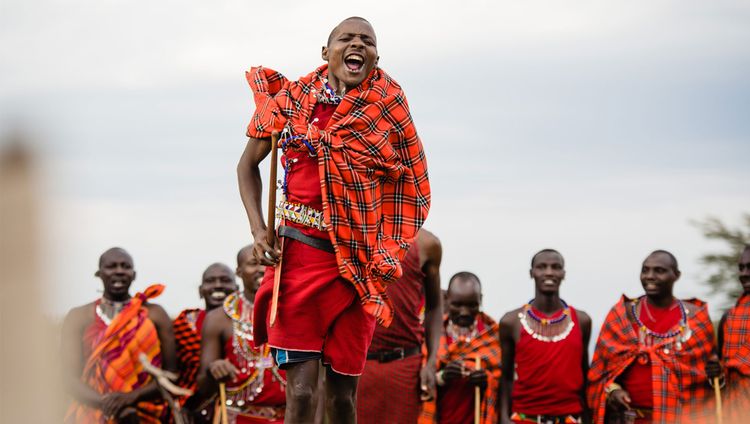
column 546, row 329
column 679, row 334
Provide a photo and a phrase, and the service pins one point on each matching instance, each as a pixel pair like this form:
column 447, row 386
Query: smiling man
column 101, row 345
column 355, row 192
column 545, row 351
column 217, row 282
column 650, row 360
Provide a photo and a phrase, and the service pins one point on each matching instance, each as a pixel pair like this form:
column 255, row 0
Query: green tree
column 722, row 266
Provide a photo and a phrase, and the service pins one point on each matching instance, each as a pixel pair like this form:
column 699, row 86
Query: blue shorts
column 284, row 357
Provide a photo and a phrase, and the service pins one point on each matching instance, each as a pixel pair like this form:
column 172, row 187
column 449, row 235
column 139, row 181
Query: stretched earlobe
column 324, row 53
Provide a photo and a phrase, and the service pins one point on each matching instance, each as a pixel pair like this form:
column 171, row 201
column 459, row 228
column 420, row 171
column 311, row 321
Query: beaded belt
column 300, row 214
column 546, row 419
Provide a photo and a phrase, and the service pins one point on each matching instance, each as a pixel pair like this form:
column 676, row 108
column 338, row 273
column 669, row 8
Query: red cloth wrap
column 680, row 387
column 372, row 171
column 389, row 392
column 187, row 333
column 407, row 295
column 736, row 354
column 550, row 377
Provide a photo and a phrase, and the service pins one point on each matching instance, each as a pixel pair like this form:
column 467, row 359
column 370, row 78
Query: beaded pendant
column 671, row 340
column 546, row 329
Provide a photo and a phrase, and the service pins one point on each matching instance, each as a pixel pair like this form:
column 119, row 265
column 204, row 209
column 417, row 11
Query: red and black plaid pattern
column 487, row 346
column 680, row 387
column 374, row 182
column 736, row 354
column 188, row 340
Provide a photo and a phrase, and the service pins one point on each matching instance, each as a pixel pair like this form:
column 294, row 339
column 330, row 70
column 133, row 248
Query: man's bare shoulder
column 429, row 245
column 216, row 317
column 511, row 317
column 80, row 315
column 583, row 317
column 157, row 314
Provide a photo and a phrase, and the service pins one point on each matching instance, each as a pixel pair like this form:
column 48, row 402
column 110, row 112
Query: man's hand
column 478, row 378
column 713, row 367
column 264, row 252
column 453, row 371
column 113, row 403
column 427, row 382
column 222, row 370
column 619, row 400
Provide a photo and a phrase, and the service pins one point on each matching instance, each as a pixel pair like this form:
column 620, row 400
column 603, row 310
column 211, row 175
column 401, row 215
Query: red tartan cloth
column 389, row 392
column 487, row 346
column 372, row 169
column 113, row 363
column 187, row 333
column 680, row 389
column 407, row 295
column 549, row 374
column 736, row 356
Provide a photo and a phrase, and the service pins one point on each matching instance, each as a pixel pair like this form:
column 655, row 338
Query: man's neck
column 661, row 301
column 249, row 295
column 547, row 303
column 109, row 298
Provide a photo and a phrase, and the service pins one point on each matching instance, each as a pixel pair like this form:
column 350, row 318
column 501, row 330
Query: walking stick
column 477, row 394
column 223, row 406
column 717, row 393
column 271, row 224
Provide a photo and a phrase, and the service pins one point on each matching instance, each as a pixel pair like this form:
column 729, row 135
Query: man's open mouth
column 354, row 62
column 218, row 295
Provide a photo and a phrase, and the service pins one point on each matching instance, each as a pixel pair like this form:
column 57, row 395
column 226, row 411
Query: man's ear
column 200, row 293
column 324, row 53
column 377, row 59
column 97, row 274
column 237, row 271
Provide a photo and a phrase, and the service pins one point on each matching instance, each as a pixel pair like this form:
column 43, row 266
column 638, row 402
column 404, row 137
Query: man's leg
column 301, row 386
column 341, row 397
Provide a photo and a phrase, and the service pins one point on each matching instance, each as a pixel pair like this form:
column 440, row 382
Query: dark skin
column 548, row 272
column 351, row 54
column 430, row 256
column 714, row 368
column 117, row 274
column 464, row 301
column 658, row 274
column 217, row 283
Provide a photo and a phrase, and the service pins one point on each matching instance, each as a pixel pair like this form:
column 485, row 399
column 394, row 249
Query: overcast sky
column 596, row 128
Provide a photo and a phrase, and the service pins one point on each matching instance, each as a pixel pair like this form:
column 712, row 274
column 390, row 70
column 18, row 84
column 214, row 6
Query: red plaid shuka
column 681, row 389
column 188, row 339
column 372, row 168
column 736, row 354
column 487, row 345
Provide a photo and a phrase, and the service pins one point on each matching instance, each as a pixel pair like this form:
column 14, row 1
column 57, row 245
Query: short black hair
column 242, row 251
column 330, row 36
column 113, row 249
column 675, row 266
column 533, row 258
column 463, row 276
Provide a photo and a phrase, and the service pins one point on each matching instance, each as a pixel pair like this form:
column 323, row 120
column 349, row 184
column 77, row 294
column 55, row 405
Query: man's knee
column 341, row 401
column 301, row 393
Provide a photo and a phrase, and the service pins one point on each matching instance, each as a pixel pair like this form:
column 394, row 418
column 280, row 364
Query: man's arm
column 508, row 346
column 72, row 357
column 251, row 187
column 433, row 254
column 585, row 322
column 720, row 334
column 212, row 362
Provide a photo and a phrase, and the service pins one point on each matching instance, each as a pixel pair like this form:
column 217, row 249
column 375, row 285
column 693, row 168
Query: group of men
column 341, row 317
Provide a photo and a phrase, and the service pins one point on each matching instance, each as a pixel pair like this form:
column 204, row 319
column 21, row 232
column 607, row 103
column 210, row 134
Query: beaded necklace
column 546, row 329
column 116, row 308
column 240, row 311
column 676, row 337
column 461, row 334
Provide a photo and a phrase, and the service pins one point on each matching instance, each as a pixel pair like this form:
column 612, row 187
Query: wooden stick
column 270, row 222
column 717, row 393
column 477, row 393
column 223, row 406
column 276, row 286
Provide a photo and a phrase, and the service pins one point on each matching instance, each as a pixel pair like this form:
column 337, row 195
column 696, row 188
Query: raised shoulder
column 509, row 324
column 157, row 314
column 429, row 246
column 583, row 318
column 216, row 321
column 80, row 316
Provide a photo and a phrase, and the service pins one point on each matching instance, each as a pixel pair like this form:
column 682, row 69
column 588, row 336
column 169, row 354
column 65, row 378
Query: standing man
column 468, row 358
column 254, row 386
column 217, row 282
column 355, row 194
column 395, row 378
column 101, row 345
column 545, row 351
column 649, row 362
column 734, row 345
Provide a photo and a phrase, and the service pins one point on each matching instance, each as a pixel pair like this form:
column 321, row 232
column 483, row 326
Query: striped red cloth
column 373, row 171
column 187, row 333
column 736, row 354
column 114, row 365
column 486, row 345
column 681, row 392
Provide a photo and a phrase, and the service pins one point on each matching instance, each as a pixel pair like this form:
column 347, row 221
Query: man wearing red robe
column 545, row 352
